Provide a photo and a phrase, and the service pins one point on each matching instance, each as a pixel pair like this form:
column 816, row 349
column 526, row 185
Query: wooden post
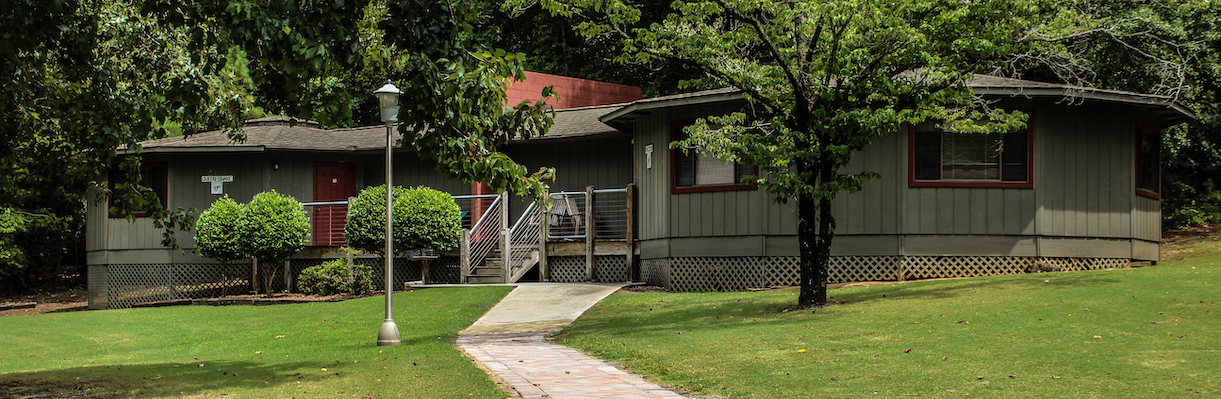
column 288, row 276
column 506, row 253
column 589, row 233
column 631, row 237
column 544, row 221
column 464, row 256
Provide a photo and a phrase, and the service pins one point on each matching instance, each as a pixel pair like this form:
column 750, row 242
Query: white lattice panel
column 850, row 269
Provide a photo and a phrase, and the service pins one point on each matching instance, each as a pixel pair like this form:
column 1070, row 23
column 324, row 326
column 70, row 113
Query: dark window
column 1148, row 161
column 695, row 172
column 941, row 158
column 152, row 175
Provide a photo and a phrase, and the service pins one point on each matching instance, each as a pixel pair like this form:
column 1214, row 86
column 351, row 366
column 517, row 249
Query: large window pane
column 940, row 156
column 1015, row 163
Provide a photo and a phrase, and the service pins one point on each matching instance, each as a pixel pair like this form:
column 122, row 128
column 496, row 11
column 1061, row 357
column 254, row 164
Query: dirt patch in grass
column 1182, row 244
column 1192, row 235
column 50, row 389
column 635, row 289
column 46, row 302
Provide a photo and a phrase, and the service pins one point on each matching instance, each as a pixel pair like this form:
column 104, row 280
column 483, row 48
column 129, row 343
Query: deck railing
column 327, row 220
column 569, row 217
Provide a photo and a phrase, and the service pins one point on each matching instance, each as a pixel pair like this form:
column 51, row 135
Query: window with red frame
column 694, row 171
column 1148, row 161
column 939, row 158
column 152, row 175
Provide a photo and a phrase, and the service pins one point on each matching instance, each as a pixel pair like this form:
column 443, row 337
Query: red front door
column 332, row 182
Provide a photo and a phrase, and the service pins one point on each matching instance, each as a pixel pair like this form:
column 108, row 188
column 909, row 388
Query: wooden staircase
column 492, row 270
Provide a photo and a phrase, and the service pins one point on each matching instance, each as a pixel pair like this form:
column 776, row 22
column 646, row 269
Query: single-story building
column 1078, row 189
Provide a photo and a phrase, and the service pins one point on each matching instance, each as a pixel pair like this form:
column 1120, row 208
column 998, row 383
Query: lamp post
column 388, row 96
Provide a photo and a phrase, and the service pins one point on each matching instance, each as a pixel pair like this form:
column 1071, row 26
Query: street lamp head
column 388, row 96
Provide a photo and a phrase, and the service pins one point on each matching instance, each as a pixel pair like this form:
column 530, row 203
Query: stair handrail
column 480, row 249
column 485, row 214
column 525, row 238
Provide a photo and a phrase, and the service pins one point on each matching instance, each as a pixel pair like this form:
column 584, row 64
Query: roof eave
column 1182, row 114
column 622, row 117
column 199, row 149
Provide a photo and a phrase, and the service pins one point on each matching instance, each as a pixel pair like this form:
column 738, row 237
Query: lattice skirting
column 571, row 269
column 740, row 273
column 124, row 285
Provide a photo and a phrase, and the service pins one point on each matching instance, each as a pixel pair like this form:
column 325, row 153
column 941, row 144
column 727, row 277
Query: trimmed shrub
column 332, row 278
column 272, row 228
column 216, row 231
column 423, row 219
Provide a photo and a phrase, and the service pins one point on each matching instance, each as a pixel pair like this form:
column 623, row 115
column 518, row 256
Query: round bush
column 423, row 219
column 216, row 231
column 272, row 227
column 332, row 278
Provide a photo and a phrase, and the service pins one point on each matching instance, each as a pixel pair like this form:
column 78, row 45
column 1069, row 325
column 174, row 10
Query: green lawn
column 321, row 350
column 1144, row 332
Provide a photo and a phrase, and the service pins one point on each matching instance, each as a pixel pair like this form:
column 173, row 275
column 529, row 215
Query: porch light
column 388, row 96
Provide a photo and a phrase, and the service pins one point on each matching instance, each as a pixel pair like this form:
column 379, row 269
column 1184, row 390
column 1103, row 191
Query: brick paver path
column 540, row 369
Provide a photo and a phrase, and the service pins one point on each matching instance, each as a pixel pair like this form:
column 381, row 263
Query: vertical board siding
column 1085, row 176
column 602, row 162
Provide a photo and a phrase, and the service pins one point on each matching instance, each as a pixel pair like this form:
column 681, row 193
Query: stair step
column 487, row 271
column 484, row 279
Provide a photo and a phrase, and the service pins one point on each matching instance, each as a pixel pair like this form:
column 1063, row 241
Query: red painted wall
column 573, row 92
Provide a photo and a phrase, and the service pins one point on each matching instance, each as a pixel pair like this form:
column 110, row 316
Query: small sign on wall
column 648, row 156
column 217, row 182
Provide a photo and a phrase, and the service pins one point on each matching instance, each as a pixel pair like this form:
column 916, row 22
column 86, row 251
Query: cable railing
column 610, row 214
column 524, row 238
column 327, row 220
column 567, row 219
column 473, row 206
column 485, row 233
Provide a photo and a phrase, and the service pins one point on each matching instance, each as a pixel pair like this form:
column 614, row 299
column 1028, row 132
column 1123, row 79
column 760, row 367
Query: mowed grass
column 1146, row 332
column 319, row 350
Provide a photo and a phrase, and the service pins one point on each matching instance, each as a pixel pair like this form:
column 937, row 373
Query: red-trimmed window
column 1148, row 161
column 152, row 175
column 694, row 172
column 937, row 158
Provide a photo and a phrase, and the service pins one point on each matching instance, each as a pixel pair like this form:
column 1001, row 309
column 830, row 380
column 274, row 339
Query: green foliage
column 334, row 277
column 423, row 219
column 216, row 233
column 11, row 255
column 271, row 228
column 823, row 79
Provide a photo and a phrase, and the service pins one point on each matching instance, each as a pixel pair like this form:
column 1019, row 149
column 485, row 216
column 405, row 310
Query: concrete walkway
column 511, row 343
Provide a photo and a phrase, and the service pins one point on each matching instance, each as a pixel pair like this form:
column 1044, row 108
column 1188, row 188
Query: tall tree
column 89, row 77
column 823, row 79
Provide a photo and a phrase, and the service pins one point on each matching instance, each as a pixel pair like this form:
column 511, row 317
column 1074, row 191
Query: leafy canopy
column 822, row 80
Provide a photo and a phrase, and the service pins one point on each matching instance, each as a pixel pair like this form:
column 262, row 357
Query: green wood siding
column 1083, row 195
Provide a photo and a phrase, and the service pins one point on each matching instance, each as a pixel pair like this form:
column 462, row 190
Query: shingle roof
column 1164, row 106
column 274, row 133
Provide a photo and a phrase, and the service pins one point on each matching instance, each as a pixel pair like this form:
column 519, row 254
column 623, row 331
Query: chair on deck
column 565, row 208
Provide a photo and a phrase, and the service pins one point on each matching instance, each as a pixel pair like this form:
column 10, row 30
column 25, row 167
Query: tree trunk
column 815, row 230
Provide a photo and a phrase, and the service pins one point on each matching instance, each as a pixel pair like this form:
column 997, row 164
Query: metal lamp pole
column 388, row 96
